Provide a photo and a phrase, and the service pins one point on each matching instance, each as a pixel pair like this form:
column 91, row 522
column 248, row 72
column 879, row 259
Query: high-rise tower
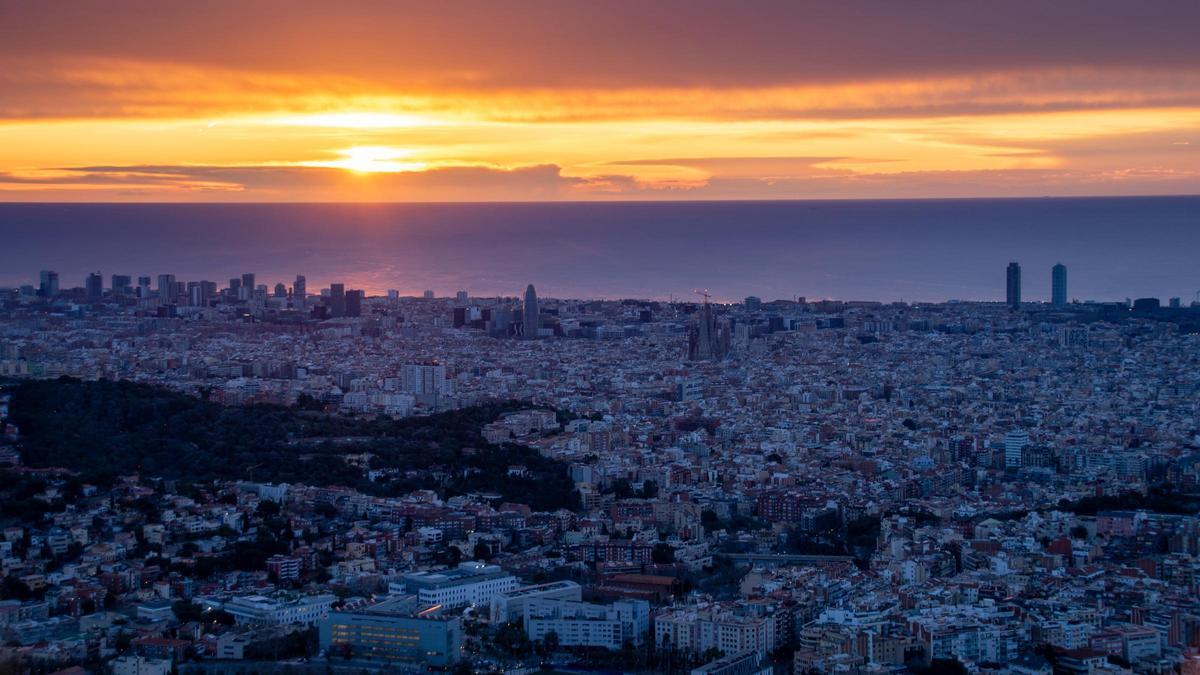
column 337, row 300
column 1058, row 285
column 530, row 313
column 299, row 292
column 94, row 285
column 1013, row 291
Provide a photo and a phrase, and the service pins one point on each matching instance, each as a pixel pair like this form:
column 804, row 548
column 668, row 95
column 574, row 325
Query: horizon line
column 798, row 200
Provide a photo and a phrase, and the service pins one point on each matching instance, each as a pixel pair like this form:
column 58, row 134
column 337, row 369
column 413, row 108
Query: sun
column 374, row 159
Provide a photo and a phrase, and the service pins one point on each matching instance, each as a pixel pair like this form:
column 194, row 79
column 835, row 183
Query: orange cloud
column 545, row 100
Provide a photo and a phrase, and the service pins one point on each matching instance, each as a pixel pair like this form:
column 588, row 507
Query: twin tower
column 1058, row 285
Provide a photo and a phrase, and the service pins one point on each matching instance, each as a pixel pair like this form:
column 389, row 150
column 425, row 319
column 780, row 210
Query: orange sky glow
column 481, row 101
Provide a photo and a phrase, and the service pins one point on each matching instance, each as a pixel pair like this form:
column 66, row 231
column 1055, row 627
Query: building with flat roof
column 471, row 583
column 582, row 624
column 510, row 606
column 261, row 610
column 400, row 629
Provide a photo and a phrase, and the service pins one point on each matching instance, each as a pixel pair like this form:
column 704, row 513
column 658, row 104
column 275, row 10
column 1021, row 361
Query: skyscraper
column 354, row 300
column 1013, row 294
column 95, row 285
column 48, row 287
column 531, row 316
column 299, row 292
column 337, row 300
column 208, row 290
column 1058, row 285
column 122, row 284
column 166, row 287
column 248, row 286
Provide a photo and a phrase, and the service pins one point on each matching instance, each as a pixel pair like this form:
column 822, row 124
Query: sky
column 254, row 101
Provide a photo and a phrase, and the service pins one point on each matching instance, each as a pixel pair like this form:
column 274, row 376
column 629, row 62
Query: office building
column 300, row 292
column 94, row 286
column 1013, row 288
column 395, row 630
column 143, row 287
column 122, row 284
column 1058, row 285
column 471, row 583
column 337, row 300
column 530, row 315
column 423, row 378
column 260, row 610
column 200, row 293
column 510, row 606
column 354, row 300
column 167, row 290
column 1014, row 447
column 247, row 287
column 460, row 297
column 583, row 624
column 48, row 287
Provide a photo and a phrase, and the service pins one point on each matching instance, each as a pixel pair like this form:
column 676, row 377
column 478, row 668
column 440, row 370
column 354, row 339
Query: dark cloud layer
column 483, row 44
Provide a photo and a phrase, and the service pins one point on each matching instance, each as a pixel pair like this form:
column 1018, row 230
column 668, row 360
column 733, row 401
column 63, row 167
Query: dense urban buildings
column 238, row 479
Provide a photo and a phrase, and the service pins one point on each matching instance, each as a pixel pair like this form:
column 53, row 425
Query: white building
column 423, row 379
column 697, row 630
column 1014, row 445
column 307, row 610
column 471, row 583
column 510, row 606
column 140, row 665
column 582, row 624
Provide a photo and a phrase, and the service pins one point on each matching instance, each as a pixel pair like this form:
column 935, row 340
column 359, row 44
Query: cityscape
column 553, row 337
column 687, row 486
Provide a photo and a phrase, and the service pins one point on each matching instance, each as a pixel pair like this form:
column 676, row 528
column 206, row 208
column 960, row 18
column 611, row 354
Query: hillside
column 104, row 429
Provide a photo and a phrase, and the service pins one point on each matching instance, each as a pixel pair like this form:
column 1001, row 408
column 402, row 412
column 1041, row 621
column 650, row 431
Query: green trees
column 105, row 429
column 662, row 554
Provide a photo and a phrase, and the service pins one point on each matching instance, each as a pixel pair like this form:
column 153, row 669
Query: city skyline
column 912, row 250
column 50, row 285
column 543, row 101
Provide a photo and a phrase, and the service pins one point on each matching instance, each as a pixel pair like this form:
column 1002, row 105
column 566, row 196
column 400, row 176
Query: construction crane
column 704, row 293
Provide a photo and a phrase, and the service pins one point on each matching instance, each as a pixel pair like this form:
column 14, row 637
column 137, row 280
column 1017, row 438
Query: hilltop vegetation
column 104, row 429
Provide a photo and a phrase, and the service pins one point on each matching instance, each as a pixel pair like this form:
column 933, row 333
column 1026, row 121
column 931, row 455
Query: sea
column 910, row 250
